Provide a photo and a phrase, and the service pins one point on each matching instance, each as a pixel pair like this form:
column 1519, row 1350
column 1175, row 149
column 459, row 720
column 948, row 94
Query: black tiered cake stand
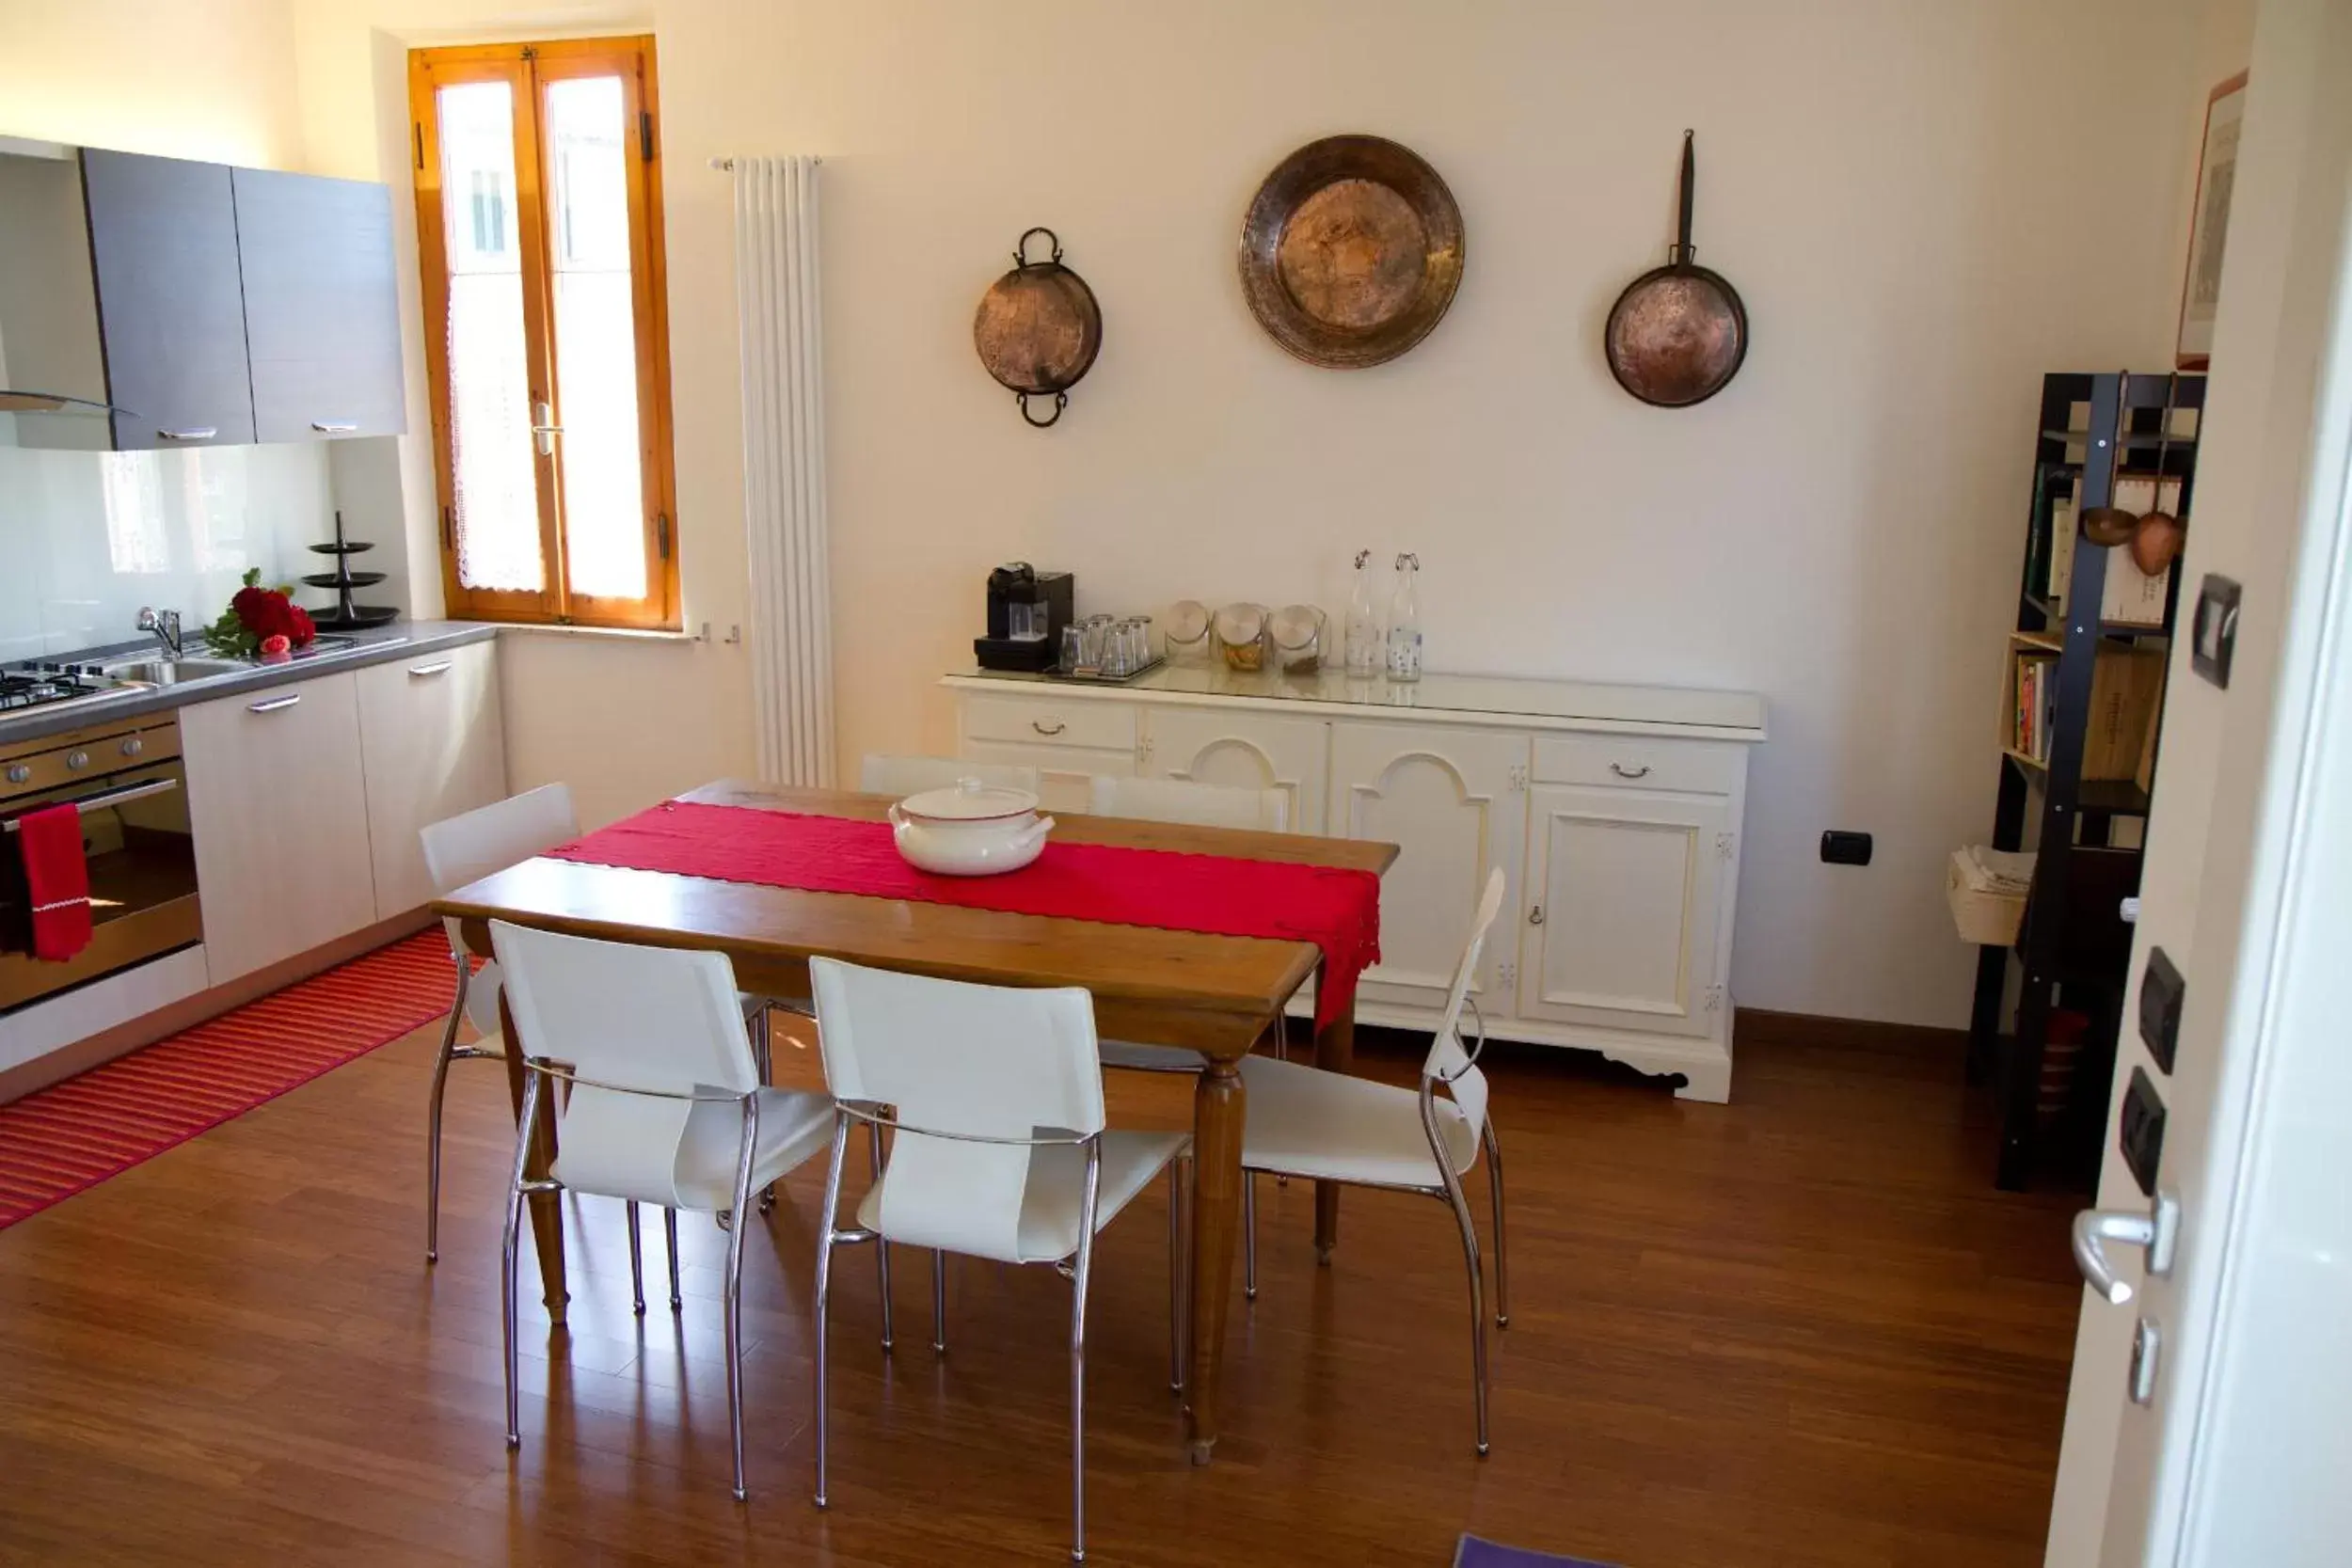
column 346, row 616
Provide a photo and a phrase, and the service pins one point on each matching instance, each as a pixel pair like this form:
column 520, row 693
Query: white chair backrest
column 1181, row 800
column 659, row 1020
column 469, row 846
column 1448, row 1059
column 982, row 1061
column 882, row 774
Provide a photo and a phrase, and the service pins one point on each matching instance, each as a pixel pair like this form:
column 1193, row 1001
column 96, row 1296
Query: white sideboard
column 1613, row 810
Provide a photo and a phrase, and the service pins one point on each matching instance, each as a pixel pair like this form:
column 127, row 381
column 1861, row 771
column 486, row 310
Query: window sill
column 618, row 634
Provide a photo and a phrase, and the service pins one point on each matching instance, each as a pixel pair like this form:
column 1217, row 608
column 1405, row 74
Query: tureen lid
column 969, row 801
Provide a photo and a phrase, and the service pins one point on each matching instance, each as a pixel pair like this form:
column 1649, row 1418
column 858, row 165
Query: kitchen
column 283, row 294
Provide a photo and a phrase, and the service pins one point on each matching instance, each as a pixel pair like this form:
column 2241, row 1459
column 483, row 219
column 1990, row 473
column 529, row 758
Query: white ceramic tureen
column 970, row 830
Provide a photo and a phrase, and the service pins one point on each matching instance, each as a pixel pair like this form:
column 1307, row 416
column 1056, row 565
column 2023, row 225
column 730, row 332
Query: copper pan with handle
column 1679, row 333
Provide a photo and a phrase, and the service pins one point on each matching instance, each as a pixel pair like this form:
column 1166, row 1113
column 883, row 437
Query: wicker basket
column 1988, row 919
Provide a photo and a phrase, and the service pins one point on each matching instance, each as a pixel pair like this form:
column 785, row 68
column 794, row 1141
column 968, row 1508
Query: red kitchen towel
column 1336, row 908
column 57, row 877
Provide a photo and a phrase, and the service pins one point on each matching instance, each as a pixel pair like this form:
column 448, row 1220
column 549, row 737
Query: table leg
column 1335, row 1052
column 547, row 1214
column 1216, row 1126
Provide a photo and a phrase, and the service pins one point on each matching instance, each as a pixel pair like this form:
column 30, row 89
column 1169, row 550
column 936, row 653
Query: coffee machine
column 1026, row 611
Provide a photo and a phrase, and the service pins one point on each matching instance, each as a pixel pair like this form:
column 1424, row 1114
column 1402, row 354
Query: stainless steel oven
column 127, row 779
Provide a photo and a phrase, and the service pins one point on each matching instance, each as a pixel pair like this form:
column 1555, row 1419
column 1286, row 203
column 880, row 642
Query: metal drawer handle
column 334, row 427
column 1038, row 725
column 1621, row 770
column 1536, row 915
column 440, row 667
column 203, row 433
column 90, row 803
column 274, row 703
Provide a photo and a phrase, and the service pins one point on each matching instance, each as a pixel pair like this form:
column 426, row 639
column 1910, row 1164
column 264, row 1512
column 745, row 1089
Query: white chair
column 466, row 848
column 882, row 774
column 1201, row 805
column 1331, row 1126
column 995, row 1097
column 652, row 1043
column 1204, row 805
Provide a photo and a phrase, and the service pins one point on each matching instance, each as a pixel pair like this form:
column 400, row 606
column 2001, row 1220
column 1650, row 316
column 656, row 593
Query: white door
column 1455, row 803
column 1242, row 751
column 279, row 811
column 2219, row 1439
column 431, row 747
column 1620, row 916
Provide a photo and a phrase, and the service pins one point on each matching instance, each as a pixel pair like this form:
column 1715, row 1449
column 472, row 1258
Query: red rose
column 304, row 629
column 251, row 604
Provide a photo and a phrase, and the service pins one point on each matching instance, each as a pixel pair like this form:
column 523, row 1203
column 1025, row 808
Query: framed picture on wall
column 2209, row 225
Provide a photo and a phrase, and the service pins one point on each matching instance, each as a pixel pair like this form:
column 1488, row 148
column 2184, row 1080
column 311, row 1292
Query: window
column 539, row 223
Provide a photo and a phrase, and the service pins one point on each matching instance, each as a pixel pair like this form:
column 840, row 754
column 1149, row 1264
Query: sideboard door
column 1243, row 750
column 1453, row 801
column 1623, row 907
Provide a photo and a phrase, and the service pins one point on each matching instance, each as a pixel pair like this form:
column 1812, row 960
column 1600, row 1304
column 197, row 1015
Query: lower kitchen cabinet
column 278, row 807
column 1614, row 813
column 431, row 746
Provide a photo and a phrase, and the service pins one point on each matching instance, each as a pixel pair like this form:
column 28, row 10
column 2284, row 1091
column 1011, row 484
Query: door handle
column 1536, row 915
column 334, row 427
column 2158, row 1230
column 200, row 433
column 439, row 666
column 273, row 704
column 543, row 428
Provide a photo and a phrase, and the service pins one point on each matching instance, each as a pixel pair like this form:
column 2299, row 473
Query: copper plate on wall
column 1351, row 251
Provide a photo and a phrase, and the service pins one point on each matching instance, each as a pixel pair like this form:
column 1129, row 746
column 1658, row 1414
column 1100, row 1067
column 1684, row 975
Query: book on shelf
column 2064, row 526
column 2131, row 597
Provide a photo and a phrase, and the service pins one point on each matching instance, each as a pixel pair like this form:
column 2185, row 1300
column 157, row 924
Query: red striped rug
column 74, row 1134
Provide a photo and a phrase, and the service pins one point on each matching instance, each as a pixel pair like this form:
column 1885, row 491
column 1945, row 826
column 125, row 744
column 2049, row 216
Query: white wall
column 1926, row 207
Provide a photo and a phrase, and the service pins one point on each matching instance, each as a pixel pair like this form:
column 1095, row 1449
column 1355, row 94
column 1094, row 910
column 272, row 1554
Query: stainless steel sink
column 174, row 671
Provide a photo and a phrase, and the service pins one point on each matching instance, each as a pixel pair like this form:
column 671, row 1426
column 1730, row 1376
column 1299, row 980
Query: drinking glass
column 1073, row 648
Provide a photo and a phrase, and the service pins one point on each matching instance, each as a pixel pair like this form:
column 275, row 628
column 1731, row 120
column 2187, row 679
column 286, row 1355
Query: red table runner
column 1335, row 908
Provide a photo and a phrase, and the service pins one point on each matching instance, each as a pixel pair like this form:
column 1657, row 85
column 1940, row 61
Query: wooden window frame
column 529, row 70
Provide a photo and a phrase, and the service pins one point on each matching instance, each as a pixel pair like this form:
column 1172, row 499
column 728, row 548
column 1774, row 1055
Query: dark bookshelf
column 2073, row 949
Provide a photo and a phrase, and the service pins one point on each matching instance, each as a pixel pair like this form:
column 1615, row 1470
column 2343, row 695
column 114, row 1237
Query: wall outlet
column 1839, row 848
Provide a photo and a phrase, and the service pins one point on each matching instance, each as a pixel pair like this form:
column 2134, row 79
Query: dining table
column 1220, row 995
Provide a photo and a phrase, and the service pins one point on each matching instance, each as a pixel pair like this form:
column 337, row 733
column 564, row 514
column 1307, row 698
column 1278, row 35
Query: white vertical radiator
column 784, row 466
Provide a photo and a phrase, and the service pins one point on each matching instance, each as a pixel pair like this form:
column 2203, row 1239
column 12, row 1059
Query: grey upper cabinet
column 322, row 317
column 162, row 248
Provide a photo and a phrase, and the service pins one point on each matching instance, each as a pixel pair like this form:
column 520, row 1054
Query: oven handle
column 111, row 797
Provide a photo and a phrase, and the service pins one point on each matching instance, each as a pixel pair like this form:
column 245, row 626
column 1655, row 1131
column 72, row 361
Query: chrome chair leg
column 735, row 1285
column 1478, row 1305
column 510, row 1258
column 1079, row 1354
column 432, row 1112
column 882, row 1248
column 939, row 1302
column 1494, row 1186
column 636, row 1264
column 669, row 1226
column 763, row 1038
column 1249, row 1235
column 824, row 1281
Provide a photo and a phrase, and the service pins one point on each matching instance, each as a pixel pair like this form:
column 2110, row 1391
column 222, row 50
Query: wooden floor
column 1801, row 1329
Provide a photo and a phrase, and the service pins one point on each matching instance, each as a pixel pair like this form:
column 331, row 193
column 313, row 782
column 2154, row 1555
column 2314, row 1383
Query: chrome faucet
column 165, row 623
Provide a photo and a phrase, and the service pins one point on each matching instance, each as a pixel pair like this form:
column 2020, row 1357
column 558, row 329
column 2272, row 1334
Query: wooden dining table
column 1220, row 995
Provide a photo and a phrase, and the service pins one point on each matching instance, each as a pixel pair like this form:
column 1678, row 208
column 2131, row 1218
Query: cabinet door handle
column 334, row 427
column 439, row 666
column 200, row 433
column 1621, row 770
column 1536, row 915
column 274, row 703
column 543, row 428
column 1038, row 725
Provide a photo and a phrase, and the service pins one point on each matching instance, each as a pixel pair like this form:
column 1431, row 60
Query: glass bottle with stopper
column 1363, row 650
column 1405, row 621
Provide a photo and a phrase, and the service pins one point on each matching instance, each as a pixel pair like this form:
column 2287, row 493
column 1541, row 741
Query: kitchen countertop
column 376, row 645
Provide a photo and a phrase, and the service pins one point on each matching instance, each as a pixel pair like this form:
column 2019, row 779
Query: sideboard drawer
column 1699, row 767
column 1041, row 721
